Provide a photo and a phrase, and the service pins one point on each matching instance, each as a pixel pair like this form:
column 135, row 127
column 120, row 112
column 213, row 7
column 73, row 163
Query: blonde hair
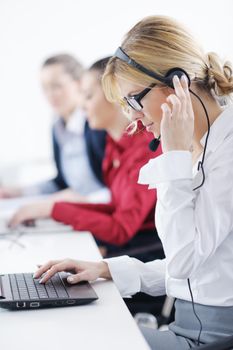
column 160, row 43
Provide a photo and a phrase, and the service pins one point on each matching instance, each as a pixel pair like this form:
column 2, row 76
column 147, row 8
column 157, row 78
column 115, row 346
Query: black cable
column 194, row 311
column 200, row 165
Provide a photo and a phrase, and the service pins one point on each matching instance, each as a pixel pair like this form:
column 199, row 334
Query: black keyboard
column 25, row 287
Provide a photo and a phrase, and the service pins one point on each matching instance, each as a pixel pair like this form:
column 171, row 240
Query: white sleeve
column 131, row 275
column 192, row 224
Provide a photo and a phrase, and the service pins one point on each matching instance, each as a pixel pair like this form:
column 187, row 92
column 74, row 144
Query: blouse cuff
column 124, row 275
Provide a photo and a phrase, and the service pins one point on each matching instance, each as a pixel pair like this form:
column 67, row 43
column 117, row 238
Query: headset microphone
column 154, row 144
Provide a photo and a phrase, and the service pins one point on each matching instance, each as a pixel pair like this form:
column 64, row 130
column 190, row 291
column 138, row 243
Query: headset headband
column 120, row 53
column 167, row 79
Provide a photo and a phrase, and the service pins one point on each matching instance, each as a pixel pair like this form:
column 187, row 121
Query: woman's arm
column 130, row 275
column 115, row 225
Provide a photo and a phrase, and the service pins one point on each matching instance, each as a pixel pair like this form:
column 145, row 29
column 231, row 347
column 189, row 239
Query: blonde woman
column 193, row 177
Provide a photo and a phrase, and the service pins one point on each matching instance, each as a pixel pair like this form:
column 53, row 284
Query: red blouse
column 132, row 205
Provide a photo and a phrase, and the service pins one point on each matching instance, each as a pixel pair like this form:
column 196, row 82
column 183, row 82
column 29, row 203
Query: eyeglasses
column 134, row 101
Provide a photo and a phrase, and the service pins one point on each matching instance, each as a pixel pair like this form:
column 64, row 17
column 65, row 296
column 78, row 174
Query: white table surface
column 104, row 324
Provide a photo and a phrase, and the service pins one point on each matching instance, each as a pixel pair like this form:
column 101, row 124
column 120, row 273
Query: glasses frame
column 134, row 101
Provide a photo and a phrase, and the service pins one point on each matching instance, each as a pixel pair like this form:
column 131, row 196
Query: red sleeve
column 112, row 226
column 132, row 205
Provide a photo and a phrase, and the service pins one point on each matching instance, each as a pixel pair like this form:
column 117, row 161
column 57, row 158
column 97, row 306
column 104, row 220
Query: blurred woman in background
column 78, row 151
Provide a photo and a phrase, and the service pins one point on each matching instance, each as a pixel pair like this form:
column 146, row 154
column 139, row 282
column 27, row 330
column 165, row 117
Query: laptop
column 21, row 291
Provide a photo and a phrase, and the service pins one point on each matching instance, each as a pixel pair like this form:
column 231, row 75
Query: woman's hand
column 31, row 212
column 177, row 125
column 82, row 270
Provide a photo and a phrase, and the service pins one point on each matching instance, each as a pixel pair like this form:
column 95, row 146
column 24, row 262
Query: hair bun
column 220, row 77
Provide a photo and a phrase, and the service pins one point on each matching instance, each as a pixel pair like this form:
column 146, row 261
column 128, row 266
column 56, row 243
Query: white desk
column 104, row 324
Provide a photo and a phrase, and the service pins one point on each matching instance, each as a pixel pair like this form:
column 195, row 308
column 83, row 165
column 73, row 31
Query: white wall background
column 31, row 30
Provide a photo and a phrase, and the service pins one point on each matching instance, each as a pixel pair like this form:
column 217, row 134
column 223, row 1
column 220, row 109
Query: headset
column 167, row 80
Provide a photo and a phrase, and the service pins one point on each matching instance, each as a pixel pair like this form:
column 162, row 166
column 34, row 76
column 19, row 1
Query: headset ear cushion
column 176, row 71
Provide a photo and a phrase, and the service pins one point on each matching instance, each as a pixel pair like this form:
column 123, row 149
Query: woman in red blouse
column 131, row 210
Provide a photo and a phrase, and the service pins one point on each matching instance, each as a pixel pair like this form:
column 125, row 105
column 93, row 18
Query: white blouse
column 195, row 227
